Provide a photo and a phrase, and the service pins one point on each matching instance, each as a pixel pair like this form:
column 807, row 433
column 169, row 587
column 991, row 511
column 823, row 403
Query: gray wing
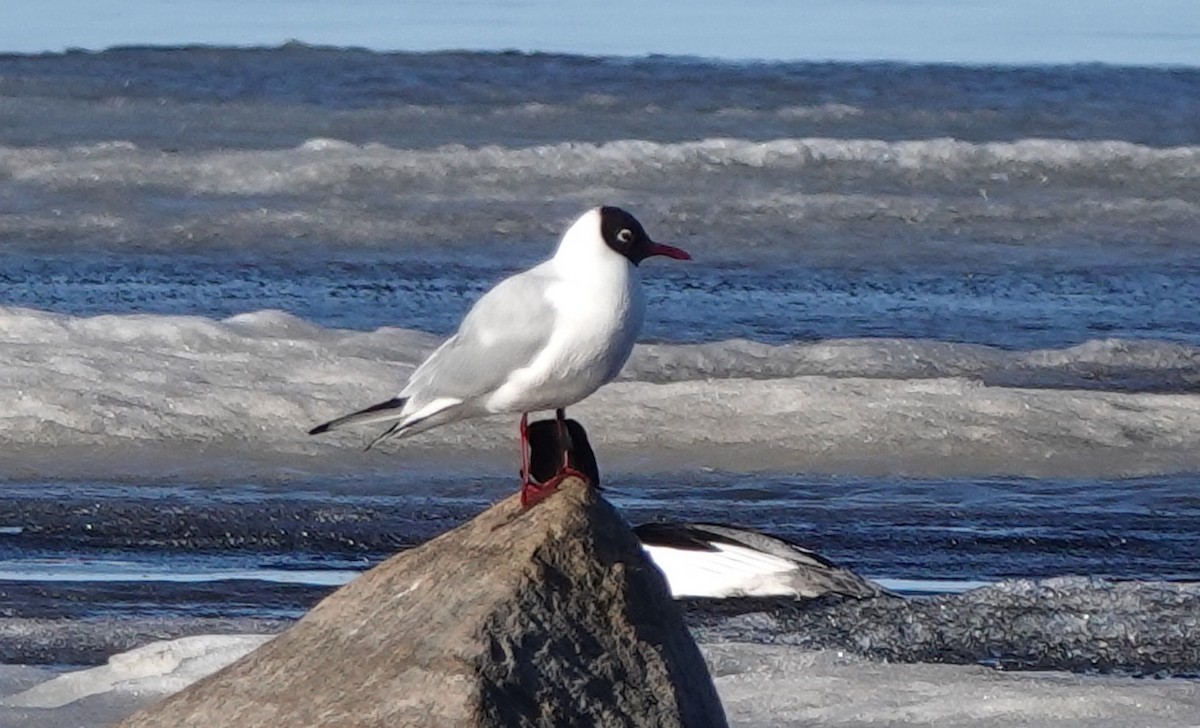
column 501, row 333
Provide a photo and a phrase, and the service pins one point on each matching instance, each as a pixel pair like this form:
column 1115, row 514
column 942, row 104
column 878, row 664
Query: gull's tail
column 393, row 409
column 431, row 414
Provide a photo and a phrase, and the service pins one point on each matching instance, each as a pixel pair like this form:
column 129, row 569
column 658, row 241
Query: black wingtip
column 394, row 403
column 679, row 536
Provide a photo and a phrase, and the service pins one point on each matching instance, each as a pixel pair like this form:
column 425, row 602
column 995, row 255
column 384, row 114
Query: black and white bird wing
column 715, row 560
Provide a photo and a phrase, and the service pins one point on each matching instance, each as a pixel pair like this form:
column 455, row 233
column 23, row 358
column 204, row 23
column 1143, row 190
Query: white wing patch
column 728, row 571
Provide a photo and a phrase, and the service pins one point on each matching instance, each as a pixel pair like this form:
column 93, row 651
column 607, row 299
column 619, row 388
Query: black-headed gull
column 542, row 339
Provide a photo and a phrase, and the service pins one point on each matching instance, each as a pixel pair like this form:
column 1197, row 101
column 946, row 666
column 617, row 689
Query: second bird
column 542, row 339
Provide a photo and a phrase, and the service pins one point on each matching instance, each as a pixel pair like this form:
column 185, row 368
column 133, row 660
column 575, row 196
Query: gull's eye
column 625, row 236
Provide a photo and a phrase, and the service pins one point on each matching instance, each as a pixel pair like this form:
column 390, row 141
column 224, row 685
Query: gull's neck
column 583, row 254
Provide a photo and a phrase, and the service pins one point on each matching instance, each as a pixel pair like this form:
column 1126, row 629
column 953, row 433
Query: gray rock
column 546, row 617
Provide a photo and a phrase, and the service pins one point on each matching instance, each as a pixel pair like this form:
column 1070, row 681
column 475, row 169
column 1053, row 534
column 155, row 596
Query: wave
column 188, row 388
column 320, row 164
column 827, row 196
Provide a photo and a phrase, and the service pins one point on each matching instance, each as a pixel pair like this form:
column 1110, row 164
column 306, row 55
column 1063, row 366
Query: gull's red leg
column 565, row 470
column 564, row 442
column 524, row 428
column 532, row 492
column 564, row 438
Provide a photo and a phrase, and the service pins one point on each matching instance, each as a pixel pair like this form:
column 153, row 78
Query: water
column 88, row 551
column 898, row 530
column 939, row 326
column 1022, row 308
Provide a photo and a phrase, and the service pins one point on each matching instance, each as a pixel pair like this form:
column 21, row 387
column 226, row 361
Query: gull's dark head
column 625, row 235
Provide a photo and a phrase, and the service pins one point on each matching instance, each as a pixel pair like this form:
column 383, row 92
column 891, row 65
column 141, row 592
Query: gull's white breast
column 598, row 310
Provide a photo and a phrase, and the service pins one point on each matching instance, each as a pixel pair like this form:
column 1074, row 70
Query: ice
column 100, row 696
column 160, row 667
column 73, row 640
column 17, row 678
column 1062, row 623
column 759, row 685
column 1112, row 364
column 764, row 686
column 147, row 393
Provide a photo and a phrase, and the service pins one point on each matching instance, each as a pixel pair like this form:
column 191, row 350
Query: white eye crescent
column 625, row 236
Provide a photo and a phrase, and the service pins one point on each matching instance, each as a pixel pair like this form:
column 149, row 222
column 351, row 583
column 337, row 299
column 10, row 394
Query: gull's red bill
column 669, row 251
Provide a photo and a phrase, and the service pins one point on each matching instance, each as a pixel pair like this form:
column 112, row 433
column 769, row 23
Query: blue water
column 953, row 532
column 1026, row 307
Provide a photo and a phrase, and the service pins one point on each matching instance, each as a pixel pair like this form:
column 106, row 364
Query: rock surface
column 547, row 617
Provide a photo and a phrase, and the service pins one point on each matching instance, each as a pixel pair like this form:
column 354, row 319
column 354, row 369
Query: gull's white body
column 542, row 339
column 595, row 296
